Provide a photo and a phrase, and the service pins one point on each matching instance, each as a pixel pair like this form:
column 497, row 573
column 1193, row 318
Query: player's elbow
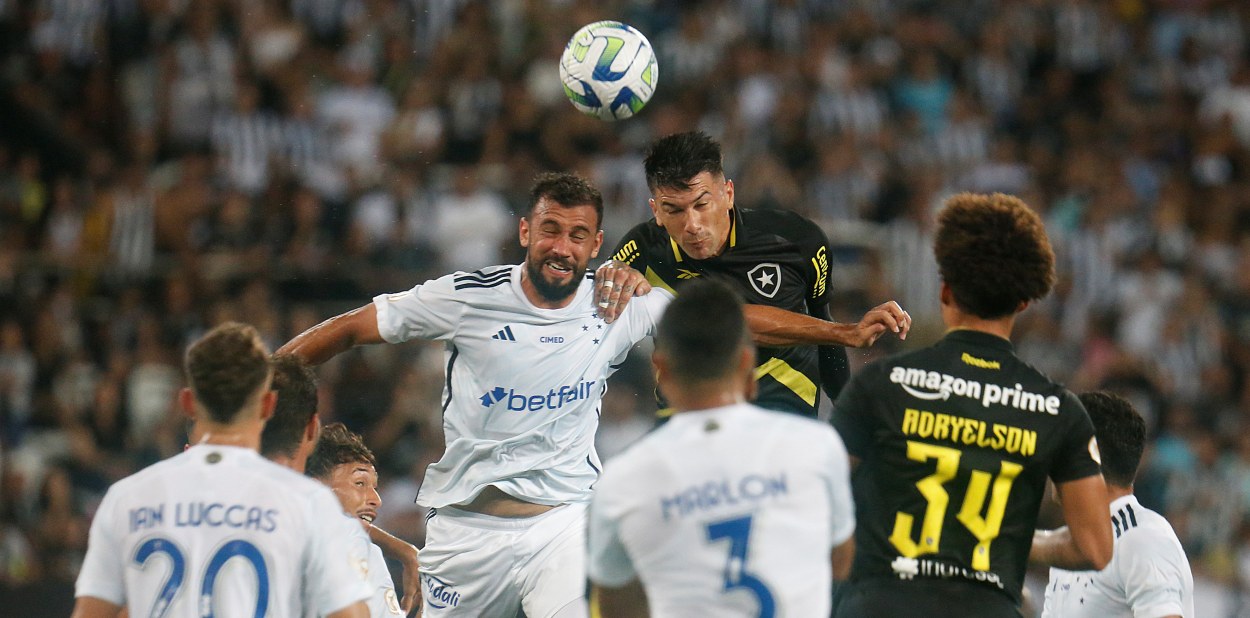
column 1098, row 548
column 1099, row 556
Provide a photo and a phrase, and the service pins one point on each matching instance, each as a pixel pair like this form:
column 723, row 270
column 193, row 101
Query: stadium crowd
column 166, row 165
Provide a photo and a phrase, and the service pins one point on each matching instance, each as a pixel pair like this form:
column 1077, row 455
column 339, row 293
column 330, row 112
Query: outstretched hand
column 615, row 284
column 886, row 317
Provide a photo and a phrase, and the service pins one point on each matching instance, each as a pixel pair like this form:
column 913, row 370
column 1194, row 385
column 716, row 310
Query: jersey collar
column 978, row 338
column 733, row 238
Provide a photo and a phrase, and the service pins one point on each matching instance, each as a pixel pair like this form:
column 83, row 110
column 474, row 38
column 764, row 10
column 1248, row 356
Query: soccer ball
column 608, row 69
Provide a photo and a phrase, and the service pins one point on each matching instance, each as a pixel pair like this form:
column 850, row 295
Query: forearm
column 393, row 546
column 334, row 336
column 1057, row 548
column 629, row 601
column 775, row 327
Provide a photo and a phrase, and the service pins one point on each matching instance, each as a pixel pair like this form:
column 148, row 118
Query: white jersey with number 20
column 221, row 531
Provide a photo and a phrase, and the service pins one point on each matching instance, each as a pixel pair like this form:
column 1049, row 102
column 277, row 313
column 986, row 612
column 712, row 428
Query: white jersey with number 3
column 1148, row 576
column 523, row 384
column 221, row 531
column 731, row 511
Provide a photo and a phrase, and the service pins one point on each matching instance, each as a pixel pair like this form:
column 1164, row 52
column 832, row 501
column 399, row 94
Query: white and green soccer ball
column 609, row 71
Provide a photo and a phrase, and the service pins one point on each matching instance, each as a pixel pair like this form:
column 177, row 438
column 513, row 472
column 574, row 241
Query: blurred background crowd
column 169, row 164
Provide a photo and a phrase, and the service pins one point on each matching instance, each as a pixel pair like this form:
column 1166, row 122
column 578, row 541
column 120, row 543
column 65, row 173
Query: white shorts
column 480, row 565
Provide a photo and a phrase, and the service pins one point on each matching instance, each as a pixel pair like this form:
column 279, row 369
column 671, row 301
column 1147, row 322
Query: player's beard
column 549, row 290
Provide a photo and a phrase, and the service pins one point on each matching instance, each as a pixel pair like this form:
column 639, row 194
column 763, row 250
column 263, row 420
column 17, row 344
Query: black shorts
column 887, row 598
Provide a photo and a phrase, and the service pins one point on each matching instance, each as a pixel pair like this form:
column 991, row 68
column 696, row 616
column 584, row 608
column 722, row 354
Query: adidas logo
column 504, row 335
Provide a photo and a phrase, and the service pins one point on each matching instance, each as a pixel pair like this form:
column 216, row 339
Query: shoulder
column 489, row 278
column 646, row 238
column 785, row 223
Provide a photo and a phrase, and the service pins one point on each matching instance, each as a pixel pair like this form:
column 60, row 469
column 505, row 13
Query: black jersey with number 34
column 955, row 443
column 773, row 257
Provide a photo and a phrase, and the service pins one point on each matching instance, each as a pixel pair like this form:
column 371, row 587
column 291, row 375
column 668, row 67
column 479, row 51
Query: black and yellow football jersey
column 773, row 257
column 955, row 443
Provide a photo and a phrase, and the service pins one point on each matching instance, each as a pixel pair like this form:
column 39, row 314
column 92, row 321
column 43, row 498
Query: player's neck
column 714, row 395
column 540, row 301
column 958, row 320
column 288, row 461
column 1115, row 492
column 244, row 434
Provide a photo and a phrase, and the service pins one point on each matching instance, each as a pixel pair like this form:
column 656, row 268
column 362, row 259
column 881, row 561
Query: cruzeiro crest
column 765, row 279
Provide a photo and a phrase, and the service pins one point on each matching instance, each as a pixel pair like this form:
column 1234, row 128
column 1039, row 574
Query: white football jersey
column 220, row 530
column 725, row 512
column 523, row 384
column 1148, row 575
column 384, row 601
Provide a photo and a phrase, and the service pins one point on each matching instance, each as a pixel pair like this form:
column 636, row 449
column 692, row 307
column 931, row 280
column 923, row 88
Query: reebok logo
column 504, row 335
column 553, row 400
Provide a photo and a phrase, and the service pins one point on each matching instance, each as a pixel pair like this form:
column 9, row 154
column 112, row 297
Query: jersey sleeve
column 1151, row 577
column 841, row 504
column 814, row 247
column 608, row 564
column 1078, row 450
column 428, row 311
column 852, row 415
column 643, row 313
column 337, row 560
column 102, row 573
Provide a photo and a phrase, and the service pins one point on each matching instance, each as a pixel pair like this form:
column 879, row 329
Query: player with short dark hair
column 955, row 442
column 778, row 261
column 728, row 509
column 291, row 433
column 289, row 439
column 1149, row 574
column 344, row 464
column 527, row 365
column 177, row 524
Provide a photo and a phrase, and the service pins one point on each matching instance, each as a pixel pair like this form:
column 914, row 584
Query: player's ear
column 729, row 192
column 525, row 232
column 312, row 428
column 660, row 362
column 655, row 211
column 947, row 296
column 598, row 244
column 186, row 401
column 267, row 402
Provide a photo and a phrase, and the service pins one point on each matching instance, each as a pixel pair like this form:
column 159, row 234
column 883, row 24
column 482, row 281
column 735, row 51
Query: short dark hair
column 566, row 190
column 1121, row 434
column 674, row 159
column 296, row 386
column 993, row 253
column 702, row 330
column 225, row 368
column 337, row 446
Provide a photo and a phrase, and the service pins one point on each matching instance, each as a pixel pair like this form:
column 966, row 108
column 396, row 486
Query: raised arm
column 407, row 555
column 335, row 336
column 1085, row 543
column 775, row 327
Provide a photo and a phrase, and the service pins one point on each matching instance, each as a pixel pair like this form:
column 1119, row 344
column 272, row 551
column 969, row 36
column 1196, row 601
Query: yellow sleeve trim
column 789, row 377
column 657, row 282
